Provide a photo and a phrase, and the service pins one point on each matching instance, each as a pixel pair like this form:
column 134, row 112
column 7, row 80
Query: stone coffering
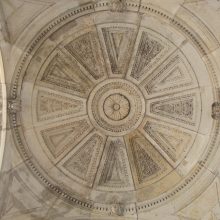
column 111, row 112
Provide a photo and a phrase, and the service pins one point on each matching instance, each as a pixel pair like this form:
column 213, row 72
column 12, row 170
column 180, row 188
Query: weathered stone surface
column 112, row 109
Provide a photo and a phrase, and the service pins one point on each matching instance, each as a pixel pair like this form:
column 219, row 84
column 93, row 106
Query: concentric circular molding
column 80, row 100
column 116, row 107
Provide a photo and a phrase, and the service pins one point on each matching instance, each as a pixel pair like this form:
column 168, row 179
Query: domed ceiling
column 119, row 106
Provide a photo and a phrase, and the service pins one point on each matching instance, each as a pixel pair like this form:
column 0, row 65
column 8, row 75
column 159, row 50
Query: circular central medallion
column 116, row 112
column 116, row 107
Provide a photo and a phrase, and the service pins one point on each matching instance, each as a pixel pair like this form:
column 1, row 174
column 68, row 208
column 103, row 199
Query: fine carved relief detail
column 150, row 51
column 117, row 209
column 114, row 169
column 64, row 137
column 173, row 74
column 180, row 108
column 118, row 5
column 216, row 111
column 65, row 74
column 14, row 105
column 86, row 50
column 148, row 162
column 50, row 105
column 119, row 42
column 173, row 141
column 117, row 106
column 115, row 111
column 84, row 162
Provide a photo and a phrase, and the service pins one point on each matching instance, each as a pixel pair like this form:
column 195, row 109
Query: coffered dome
column 116, row 107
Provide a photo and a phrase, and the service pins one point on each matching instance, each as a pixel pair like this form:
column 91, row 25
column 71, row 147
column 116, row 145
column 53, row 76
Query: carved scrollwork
column 118, row 5
column 14, row 105
column 117, row 209
column 216, row 111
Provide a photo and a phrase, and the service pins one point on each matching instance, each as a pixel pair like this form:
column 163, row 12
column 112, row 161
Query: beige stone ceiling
column 113, row 109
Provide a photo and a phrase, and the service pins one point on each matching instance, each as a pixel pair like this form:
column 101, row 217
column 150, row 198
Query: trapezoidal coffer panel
column 116, row 107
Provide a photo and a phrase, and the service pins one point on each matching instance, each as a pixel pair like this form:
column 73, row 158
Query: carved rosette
column 115, row 108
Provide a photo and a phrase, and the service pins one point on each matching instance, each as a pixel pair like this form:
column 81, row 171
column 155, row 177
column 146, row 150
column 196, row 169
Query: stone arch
column 3, row 110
